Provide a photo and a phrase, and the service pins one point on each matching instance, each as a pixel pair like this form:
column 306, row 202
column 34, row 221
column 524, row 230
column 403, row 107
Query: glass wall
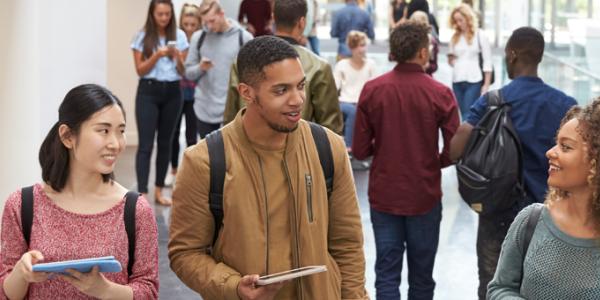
column 571, row 29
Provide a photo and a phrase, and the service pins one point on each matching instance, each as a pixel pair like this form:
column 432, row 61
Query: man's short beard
column 274, row 126
column 280, row 128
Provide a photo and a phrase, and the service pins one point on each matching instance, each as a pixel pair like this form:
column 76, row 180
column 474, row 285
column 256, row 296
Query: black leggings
column 157, row 107
column 191, row 133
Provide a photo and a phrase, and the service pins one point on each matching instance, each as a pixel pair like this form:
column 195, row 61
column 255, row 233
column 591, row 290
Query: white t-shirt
column 466, row 65
column 350, row 81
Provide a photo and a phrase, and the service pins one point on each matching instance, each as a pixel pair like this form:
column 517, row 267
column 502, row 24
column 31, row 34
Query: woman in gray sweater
column 562, row 260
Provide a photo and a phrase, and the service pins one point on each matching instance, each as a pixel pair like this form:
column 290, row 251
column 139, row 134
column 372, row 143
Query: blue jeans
column 349, row 112
column 314, row 44
column 419, row 235
column 466, row 94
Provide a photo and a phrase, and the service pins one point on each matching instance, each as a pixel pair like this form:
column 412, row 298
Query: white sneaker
column 170, row 179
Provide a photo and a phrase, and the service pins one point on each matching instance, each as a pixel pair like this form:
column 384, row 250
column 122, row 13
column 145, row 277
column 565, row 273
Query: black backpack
column 128, row 216
column 490, row 176
column 216, row 155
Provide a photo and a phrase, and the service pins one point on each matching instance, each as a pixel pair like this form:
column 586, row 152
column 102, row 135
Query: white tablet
column 290, row 274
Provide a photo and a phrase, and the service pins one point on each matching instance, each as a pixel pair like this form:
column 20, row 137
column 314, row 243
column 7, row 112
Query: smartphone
column 290, row 274
column 171, row 44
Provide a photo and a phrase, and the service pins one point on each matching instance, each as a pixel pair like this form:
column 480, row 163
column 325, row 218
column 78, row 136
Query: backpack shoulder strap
column 129, row 218
column 216, row 156
column 241, row 37
column 27, row 212
column 494, row 98
column 201, row 41
column 532, row 221
column 325, row 156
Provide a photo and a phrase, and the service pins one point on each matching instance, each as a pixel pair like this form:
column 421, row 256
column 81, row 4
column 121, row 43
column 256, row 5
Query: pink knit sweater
column 63, row 235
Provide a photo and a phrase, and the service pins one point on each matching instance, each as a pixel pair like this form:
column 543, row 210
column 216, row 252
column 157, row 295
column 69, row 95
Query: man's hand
column 205, row 64
column 459, row 141
column 484, row 89
column 247, row 289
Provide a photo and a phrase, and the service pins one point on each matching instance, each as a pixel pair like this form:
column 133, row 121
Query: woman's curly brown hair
column 407, row 39
column 589, row 129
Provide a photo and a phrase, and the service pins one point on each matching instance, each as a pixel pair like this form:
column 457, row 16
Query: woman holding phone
column 78, row 211
column 466, row 44
column 158, row 52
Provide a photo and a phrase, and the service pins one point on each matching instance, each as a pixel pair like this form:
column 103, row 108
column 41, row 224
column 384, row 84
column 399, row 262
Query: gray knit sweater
column 556, row 266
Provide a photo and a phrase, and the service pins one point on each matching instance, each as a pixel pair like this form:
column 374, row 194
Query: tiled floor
column 455, row 269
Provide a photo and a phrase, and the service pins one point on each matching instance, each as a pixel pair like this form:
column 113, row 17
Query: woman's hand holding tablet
column 106, row 264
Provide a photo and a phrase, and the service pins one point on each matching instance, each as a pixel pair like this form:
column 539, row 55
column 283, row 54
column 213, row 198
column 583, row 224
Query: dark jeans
column 206, row 128
column 191, row 133
column 157, row 106
column 466, row 94
column 419, row 235
column 490, row 235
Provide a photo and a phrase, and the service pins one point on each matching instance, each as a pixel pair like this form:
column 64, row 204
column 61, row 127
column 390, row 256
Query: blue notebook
column 107, row 264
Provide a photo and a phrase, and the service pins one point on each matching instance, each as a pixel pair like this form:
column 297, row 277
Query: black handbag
column 481, row 62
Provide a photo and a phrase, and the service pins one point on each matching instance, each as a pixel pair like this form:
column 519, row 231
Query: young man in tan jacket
column 277, row 213
column 322, row 105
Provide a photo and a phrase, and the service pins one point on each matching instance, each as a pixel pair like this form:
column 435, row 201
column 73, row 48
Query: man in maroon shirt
column 398, row 119
column 258, row 16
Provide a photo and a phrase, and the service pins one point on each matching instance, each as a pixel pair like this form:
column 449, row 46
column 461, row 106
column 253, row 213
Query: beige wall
column 125, row 18
column 19, row 97
column 49, row 47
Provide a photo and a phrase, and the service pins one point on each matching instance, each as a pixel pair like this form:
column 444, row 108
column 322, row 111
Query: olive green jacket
column 321, row 106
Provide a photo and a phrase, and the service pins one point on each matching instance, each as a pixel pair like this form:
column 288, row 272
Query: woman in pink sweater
column 78, row 211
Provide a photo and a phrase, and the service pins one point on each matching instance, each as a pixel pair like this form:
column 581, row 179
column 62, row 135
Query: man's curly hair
column 589, row 129
column 259, row 53
column 407, row 39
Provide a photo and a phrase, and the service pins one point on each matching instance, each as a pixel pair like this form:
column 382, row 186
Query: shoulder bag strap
column 27, row 212
column 129, row 218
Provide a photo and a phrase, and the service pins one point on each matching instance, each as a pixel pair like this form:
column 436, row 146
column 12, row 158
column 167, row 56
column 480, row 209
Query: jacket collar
column 239, row 134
